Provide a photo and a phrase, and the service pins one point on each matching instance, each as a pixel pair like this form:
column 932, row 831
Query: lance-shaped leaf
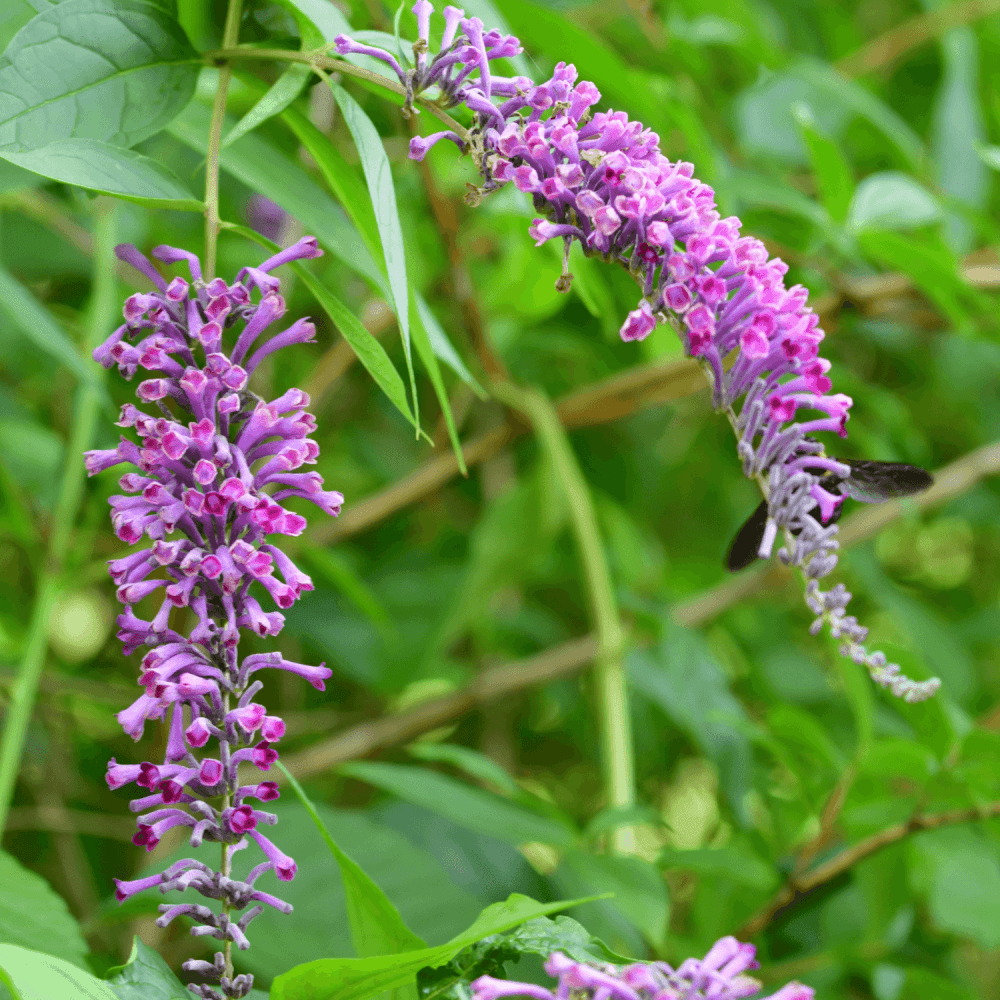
column 94, row 69
column 375, row 164
column 106, row 169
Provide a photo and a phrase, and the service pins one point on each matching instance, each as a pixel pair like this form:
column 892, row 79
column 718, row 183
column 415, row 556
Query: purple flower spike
column 214, row 464
column 600, row 180
column 718, row 975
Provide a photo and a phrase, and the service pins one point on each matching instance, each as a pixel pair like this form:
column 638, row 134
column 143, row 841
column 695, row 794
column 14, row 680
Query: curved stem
column 618, row 759
column 25, row 689
column 340, row 66
column 230, row 34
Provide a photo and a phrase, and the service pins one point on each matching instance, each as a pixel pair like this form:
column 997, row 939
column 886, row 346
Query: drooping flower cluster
column 212, row 464
column 601, row 180
column 720, row 975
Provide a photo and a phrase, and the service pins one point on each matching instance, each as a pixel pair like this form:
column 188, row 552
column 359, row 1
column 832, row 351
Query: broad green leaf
column 282, row 92
column 376, row 926
column 639, row 894
column 265, row 169
column 473, row 763
column 33, row 915
column 331, row 565
column 684, row 680
column 107, row 169
column 113, row 70
column 462, row 804
column 833, row 173
column 35, row 322
column 356, row 979
column 31, row 975
column 369, row 351
column 863, row 102
column 958, row 129
column 540, row 937
column 382, row 193
column 767, row 113
column 891, row 200
column 959, row 871
column 934, row 269
column 735, row 861
column 146, row 976
column 758, row 191
column 443, row 348
column 429, row 358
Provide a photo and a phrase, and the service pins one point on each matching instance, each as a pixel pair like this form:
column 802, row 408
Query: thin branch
column 850, row 856
column 488, row 687
column 611, row 399
column 337, row 66
column 887, row 48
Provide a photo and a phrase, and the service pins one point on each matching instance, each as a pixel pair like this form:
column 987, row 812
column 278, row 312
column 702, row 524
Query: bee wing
column 872, row 482
column 743, row 550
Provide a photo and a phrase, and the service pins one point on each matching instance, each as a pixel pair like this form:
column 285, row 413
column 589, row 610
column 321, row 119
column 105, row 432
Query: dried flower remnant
column 600, row 180
column 213, row 466
column 721, row 975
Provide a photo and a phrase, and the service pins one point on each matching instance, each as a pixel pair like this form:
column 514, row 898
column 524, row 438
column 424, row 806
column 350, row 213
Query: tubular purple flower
column 206, row 459
column 600, row 180
column 718, row 975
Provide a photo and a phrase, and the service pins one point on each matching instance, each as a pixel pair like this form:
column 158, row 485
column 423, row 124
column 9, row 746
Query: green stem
column 86, row 410
column 617, row 757
column 230, row 35
column 338, row 66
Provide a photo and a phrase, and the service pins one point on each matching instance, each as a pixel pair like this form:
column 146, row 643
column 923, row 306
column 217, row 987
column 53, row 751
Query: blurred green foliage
column 869, row 169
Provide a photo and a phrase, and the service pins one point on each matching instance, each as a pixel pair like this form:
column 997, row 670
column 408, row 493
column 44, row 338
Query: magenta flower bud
column 272, row 728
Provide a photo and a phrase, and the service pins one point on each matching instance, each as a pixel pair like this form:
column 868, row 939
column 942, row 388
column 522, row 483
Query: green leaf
column 113, row 70
column 683, row 678
column 934, row 269
column 639, row 893
column 378, row 174
column 369, row 351
column 959, row 871
column 282, row 92
column 332, row 565
column 833, row 173
column 36, row 323
column 355, row 979
column 958, row 129
column 30, row 975
column 758, row 191
column 864, row 103
column 470, row 807
column 735, row 861
column 264, row 168
column 541, row 936
column 429, row 358
column 376, row 926
column 107, row 169
column 443, row 348
column 891, row 200
column 33, row 914
column 473, row 763
column 146, row 976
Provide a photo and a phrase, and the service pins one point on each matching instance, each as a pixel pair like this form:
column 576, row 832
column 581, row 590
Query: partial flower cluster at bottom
column 720, row 975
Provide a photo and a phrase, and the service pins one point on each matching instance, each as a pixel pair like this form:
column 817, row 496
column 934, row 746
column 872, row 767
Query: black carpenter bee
column 870, row 481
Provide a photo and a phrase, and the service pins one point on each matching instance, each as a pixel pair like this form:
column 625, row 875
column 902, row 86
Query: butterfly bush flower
column 719, row 975
column 212, row 465
column 600, row 180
